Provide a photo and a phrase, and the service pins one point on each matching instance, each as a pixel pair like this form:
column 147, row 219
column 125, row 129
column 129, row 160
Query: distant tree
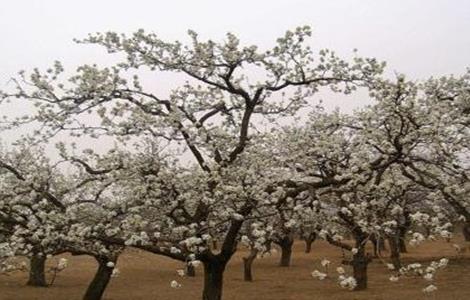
column 43, row 210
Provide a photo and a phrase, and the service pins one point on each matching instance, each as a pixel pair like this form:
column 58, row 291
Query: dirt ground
column 147, row 276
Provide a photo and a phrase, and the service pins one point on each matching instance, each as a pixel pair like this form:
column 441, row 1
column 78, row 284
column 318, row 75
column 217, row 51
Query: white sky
column 420, row 38
column 416, row 37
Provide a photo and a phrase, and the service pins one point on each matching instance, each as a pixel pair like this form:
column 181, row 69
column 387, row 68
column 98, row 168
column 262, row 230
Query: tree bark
column 466, row 231
column 402, row 239
column 247, row 265
column 359, row 263
column 102, row 277
column 309, row 241
column 395, row 250
column 381, row 242
column 37, row 275
column 214, row 265
column 286, row 250
column 402, row 245
column 213, row 279
column 378, row 244
column 402, row 232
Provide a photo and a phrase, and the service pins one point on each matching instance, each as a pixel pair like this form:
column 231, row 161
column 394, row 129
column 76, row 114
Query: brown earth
column 147, row 276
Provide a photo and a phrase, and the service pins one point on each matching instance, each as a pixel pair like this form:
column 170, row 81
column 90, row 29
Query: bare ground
column 147, row 276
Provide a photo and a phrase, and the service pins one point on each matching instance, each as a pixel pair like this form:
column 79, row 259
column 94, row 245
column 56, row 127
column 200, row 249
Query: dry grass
column 146, row 276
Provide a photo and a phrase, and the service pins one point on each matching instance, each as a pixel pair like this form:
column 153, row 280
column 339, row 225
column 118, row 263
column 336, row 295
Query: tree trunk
column 37, row 276
column 402, row 240
column 402, row 246
column 360, row 261
column 466, row 231
column 247, row 263
column 190, row 270
column 102, row 277
column 381, row 242
column 394, row 242
column 375, row 244
column 213, row 279
column 402, row 232
column 359, row 264
column 286, row 251
column 309, row 241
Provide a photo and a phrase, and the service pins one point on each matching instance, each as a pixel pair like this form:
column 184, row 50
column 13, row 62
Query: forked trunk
column 37, row 276
column 102, row 277
column 213, row 279
column 214, row 265
column 247, row 265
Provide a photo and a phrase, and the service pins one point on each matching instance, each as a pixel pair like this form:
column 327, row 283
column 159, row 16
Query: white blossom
column 429, row 289
column 175, row 284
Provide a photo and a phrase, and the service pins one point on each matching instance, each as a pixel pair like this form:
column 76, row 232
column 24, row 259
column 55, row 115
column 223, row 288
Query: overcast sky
column 417, row 37
column 420, row 38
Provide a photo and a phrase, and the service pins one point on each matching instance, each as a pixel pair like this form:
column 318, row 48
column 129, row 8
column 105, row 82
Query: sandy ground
column 147, row 276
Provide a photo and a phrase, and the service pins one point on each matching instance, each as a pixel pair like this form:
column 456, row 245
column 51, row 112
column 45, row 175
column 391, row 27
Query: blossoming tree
column 42, row 208
column 212, row 117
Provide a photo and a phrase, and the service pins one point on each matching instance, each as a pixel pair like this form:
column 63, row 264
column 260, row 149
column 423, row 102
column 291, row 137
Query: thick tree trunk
column 359, row 263
column 466, row 231
column 286, row 251
column 213, row 279
column 394, row 242
column 37, row 276
column 309, row 241
column 102, row 277
column 247, row 265
column 190, row 270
